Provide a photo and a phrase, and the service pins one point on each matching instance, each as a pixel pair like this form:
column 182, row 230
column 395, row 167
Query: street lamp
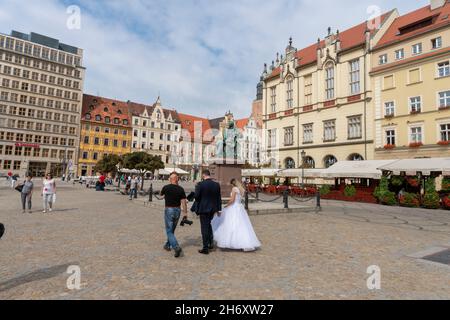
column 303, row 154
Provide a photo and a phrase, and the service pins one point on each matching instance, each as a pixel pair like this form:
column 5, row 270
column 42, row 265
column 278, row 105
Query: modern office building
column 41, row 91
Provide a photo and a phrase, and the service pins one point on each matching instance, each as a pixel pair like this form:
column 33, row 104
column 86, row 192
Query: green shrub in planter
column 324, row 190
column 388, row 198
column 397, row 181
column 431, row 199
column 350, row 191
column 410, row 200
column 446, row 184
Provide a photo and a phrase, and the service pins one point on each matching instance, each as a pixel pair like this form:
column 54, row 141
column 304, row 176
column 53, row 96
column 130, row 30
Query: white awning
column 297, row 173
column 168, row 171
column 129, row 171
column 413, row 166
column 356, row 169
column 260, row 172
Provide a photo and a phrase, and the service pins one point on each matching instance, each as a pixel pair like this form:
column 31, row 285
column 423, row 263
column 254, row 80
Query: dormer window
column 98, row 118
column 125, row 122
column 88, row 116
column 91, row 107
column 107, row 119
column 105, row 109
column 116, row 120
column 119, row 111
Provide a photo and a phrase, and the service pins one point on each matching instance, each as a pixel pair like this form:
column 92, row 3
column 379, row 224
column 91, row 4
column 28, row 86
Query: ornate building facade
column 318, row 99
column 156, row 131
column 411, row 79
column 105, row 129
column 41, row 94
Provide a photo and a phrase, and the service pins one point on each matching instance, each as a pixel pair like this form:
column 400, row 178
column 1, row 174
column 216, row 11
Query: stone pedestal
column 223, row 171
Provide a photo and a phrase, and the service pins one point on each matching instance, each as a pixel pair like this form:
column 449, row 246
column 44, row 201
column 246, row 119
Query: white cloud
column 204, row 56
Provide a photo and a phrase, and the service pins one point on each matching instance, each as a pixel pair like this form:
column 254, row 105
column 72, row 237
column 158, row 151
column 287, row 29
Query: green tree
column 108, row 164
column 143, row 162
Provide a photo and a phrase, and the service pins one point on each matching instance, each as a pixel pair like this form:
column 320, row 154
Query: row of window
column 36, row 64
column 25, row 86
column 38, row 51
column 415, row 104
column 354, row 85
column 36, row 152
column 29, row 138
column 152, row 124
column 151, row 146
column 107, row 119
column 144, row 134
column 105, row 142
column 39, row 114
column 354, row 129
column 416, row 49
column 416, row 134
column 37, row 126
column 88, row 127
column 33, row 88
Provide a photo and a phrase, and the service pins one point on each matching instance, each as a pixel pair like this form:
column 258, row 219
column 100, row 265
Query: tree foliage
column 108, row 164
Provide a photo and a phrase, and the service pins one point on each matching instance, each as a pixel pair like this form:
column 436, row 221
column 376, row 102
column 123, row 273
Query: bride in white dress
column 233, row 229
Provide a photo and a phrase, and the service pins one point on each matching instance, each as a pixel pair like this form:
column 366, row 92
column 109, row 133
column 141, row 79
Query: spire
column 290, row 42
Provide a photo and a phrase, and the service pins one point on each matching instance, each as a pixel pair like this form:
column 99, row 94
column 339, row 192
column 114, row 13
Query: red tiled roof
column 242, row 123
column 105, row 107
column 188, row 123
column 438, row 15
column 350, row 38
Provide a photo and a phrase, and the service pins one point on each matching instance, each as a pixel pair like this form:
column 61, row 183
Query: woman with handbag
column 48, row 193
column 26, row 193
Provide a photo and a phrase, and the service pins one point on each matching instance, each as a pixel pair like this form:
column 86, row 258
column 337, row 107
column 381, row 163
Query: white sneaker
column 50, row 210
column 44, row 211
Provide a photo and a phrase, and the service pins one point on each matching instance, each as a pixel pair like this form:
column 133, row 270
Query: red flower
column 444, row 143
column 413, row 181
column 415, row 144
column 446, row 201
column 389, row 146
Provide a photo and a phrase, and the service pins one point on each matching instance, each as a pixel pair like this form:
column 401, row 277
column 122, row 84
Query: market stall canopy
column 129, row 171
column 260, row 172
column 168, row 171
column 412, row 166
column 297, row 173
column 368, row 169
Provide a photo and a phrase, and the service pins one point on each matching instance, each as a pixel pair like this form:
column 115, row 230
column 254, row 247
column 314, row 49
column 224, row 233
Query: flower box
column 389, row 116
column 415, row 112
column 444, row 143
column 444, row 107
column 413, row 181
column 415, row 144
column 389, row 146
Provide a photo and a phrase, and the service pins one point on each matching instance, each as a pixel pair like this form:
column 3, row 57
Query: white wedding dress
column 233, row 229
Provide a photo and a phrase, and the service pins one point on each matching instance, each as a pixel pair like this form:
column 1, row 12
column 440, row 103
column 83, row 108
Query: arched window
column 290, row 92
column 310, row 163
column 289, row 163
column 88, row 116
column 98, row 118
column 355, row 157
column 125, row 122
column 329, row 161
column 329, row 81
column 107, row 119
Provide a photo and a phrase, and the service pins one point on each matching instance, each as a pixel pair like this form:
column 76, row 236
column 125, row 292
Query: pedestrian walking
column 48, row 193
column 175, row 198
column 27, row 193
column 133, row 187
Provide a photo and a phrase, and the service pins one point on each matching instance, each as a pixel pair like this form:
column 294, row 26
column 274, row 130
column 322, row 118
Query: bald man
column 175, row 198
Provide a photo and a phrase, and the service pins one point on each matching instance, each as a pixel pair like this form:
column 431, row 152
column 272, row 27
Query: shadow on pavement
column 42, row 274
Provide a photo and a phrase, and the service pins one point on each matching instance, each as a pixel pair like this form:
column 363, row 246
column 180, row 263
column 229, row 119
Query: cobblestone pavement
column 117, row 243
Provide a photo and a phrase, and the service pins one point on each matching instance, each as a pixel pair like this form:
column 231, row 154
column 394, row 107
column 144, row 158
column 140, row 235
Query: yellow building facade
column 317, row 100
column 411, row 81
column 105, row 129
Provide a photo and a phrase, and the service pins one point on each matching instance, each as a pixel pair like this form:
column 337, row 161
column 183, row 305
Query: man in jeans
column 175, row 198
column 133, row 187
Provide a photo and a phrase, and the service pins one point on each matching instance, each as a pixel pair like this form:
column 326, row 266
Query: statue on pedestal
column 228, row 140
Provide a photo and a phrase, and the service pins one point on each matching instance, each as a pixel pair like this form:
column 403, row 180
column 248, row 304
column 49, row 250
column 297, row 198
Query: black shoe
column 178, row 252
column 203, row 251
column 167, row 248
column 2, row 229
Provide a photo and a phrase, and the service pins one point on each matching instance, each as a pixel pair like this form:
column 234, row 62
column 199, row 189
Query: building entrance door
column 37, row 169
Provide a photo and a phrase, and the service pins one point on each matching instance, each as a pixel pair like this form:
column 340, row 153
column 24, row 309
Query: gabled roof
column 415, row 23
column 105, row 107
column 349, row 38
column 242, row 123
column 188, row 123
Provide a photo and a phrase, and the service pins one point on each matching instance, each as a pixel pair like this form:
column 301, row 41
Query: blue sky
column 203, row 57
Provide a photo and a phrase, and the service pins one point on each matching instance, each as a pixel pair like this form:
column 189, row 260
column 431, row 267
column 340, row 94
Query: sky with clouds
column 204, row 57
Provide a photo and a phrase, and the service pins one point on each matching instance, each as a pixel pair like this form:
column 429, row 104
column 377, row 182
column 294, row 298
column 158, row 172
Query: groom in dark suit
column 209, row 202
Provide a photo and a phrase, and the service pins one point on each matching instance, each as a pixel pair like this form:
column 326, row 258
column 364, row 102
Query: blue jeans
column 133, row 192
column 171, row 218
